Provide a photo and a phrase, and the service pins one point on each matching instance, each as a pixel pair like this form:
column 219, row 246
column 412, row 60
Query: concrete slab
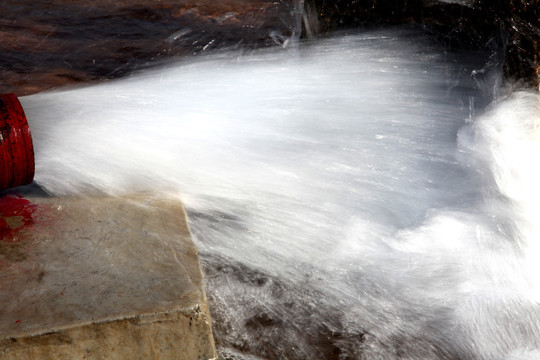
column 99, row 278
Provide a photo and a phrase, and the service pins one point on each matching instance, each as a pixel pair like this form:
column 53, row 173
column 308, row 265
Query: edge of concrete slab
column 177, row 334
column 169, row 318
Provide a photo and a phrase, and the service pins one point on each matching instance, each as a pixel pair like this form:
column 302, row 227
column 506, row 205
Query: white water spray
column 346, row 172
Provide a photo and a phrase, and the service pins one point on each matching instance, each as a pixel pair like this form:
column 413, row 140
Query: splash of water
column 348, row 200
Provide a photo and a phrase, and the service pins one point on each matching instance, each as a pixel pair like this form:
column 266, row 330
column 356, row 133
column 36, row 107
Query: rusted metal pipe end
column 16, row 150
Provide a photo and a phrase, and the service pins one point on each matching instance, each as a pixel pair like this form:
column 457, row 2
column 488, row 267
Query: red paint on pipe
column 16, row 149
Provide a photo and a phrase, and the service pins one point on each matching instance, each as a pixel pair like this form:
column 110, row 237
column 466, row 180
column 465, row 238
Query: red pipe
column 16, row 149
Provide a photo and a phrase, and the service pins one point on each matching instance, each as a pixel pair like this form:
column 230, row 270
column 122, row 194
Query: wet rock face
column 292, row 322
column 523, row 51
column 512, row 24
column 46, row 44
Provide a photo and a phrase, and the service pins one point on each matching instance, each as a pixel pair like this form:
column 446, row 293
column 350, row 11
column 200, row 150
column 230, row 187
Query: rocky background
column 46, row 44
column 51, row 43
column 512, row 24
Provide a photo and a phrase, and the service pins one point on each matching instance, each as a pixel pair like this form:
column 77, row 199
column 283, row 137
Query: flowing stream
column 366, row 195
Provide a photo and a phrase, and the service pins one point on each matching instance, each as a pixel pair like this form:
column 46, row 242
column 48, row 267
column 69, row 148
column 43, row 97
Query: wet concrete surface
column 115, row 278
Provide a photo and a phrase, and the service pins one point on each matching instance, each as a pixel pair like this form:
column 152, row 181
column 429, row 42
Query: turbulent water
column 363, row 196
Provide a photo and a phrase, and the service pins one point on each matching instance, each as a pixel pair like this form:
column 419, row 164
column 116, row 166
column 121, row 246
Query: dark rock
column 45, row 44
column 256, row 315
column 513, row 24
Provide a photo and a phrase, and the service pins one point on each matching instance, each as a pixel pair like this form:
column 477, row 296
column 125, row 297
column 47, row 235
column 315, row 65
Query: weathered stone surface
column 99, row 278
column 160, row 335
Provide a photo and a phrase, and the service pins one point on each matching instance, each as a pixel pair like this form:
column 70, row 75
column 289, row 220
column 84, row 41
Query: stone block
column 99, row 278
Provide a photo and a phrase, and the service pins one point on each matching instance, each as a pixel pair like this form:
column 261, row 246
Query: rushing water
column 363, row 196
